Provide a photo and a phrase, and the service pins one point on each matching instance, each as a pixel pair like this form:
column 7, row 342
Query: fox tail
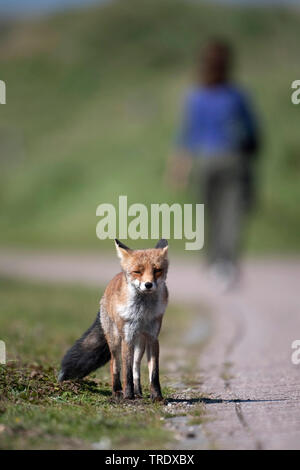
column 89, row 352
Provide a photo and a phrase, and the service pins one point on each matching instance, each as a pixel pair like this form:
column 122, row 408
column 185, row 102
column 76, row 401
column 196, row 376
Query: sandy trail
column 251, row 388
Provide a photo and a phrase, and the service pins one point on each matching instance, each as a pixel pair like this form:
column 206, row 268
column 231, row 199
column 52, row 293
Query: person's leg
column 214, row 209
column 209, row 197
column 229, row 214
column 221, row 192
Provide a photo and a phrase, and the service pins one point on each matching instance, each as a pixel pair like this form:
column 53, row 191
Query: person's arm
column 251, row 138
column 250, row 149
column 180, row 162
column 178, row 169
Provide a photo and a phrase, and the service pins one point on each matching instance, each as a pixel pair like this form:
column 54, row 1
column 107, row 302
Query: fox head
column 147, row 269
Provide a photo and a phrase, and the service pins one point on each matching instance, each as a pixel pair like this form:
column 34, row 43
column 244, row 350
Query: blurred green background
column 93, row 100
column 93, row 104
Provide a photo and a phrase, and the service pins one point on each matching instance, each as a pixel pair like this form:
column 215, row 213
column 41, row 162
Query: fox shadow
column 212, row 401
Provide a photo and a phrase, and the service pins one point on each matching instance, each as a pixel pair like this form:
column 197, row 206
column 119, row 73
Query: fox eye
column 136, row 272
column 158, row 270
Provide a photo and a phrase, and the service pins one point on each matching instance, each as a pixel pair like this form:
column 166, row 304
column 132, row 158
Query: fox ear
column 122, row 250
column 163, row 243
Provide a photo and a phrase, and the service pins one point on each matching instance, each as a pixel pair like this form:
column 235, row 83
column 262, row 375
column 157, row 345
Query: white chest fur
column 141, row 312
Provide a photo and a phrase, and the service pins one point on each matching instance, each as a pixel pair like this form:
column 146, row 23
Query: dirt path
column 252, row 385
column 251, row 389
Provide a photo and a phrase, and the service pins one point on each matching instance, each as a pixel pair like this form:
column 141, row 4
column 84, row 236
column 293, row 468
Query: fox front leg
column 153, row 365
column 127, row 361
column 115, row 369
column 139, row 349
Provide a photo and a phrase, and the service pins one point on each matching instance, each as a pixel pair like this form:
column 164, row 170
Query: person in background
column 219, row 140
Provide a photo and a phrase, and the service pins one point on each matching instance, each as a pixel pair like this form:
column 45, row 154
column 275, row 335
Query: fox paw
column 118, row 395
column 138, row 395
column 156, row 398
column 128, row 394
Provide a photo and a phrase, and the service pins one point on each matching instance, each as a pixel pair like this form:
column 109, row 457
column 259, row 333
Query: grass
column 38, row 323
column 92, row 107
column 36, row 412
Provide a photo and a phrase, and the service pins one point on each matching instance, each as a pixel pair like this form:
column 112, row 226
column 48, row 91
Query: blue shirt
column 217, row 120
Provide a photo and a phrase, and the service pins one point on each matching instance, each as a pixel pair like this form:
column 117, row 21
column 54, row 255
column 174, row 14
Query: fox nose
column 148, row 285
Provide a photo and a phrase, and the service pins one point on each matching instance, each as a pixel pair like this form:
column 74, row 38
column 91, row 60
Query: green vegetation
column 92, row 106
column 38, row 323
column 37, row 412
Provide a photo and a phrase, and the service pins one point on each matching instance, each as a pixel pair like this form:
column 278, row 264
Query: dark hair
column 214, row 62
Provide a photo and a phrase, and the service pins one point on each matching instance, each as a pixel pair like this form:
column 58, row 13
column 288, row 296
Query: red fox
column 128, row 322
